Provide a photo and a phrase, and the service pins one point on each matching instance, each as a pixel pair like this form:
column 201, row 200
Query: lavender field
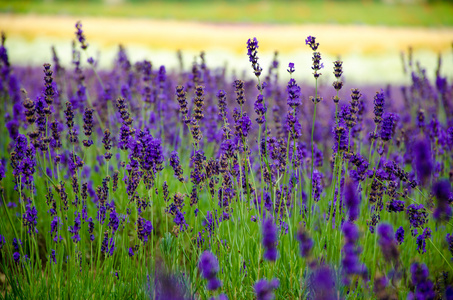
column 144, row 182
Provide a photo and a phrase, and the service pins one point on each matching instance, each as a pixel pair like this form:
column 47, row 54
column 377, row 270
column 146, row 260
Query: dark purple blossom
column 399, row 235
column 293, row 91
column 17, row 244
column 76, row 228
column 80, row 36
column 351, row 252
column 379, row 101
column 243, row 125
column 417, row 215
column 270, row 239
column 209, row 267
column 53, row 257
column 352, row 200
column 322, row 284
column 114, row 221
column 2, row 241
column 252, row 46
column 317, row 185
column 16, row 256
column 442, row 192
column 54, row 229
column 144, row 229
column 424, row 288
column 306, row 243
column 421, row 240
column 180, row 220
column 387, row 241
column 423, row 160
column 311, row 41
column 264, row 289
column 395, row 206
column 30, row 218
column 387, row 127
column 291, row 68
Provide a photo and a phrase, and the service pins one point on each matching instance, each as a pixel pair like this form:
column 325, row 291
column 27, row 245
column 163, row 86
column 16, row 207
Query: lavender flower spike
column 209, row 267
column 80, row 35
column 270, row 239
column 264, row 289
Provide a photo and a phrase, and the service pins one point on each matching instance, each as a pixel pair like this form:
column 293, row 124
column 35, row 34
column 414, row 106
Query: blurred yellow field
column 172, row 35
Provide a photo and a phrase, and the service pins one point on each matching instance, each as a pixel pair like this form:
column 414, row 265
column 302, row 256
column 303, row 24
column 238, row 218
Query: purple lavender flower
column 291, row 68
column 175, row 164
column 387, row 127
column 293, row 126
column 76, row 228
column 352, row 200
column 2, row 169
column 180, row 220
column 30, row 219
column 243, row 125
column 293, row 91
column 252, row 46
column 317, row 184
column 269, row 239
column 379, row 101
column 80, row 36
column 387, row 241
column 114, row 221
column 209, row 266
column 306, row 243
column 442, row 192
column 417, row 215
column 322, row 284
column 351, row 252
column 144, row 229
column 53, row 257
column 399, row 235
column 16, row 256
column 423, row 286
column 131, row 252
column 264, row 289
column 168, row 286
column 260, row 109
column 423, row 160
column 311, row 41
column 17, row 244
column 449, row 239
column 54, row 229
column 421, row 240
column 2, row 241
column 111, row 246
column 395, row 206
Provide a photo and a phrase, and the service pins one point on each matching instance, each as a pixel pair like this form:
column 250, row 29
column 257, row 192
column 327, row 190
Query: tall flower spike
column 379, row 101
column 199, row 102
column 252, row 46
column 387, row 241
column 387, row 127
column 442, row 192
column 209, row 267
column 49, row 91
column 80, row 36
column 270, row 239
column 240, row 96
column 306, row 243
column 181, row 95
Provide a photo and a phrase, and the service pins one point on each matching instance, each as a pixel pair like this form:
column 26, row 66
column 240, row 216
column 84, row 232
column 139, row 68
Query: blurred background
column 371, row 37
